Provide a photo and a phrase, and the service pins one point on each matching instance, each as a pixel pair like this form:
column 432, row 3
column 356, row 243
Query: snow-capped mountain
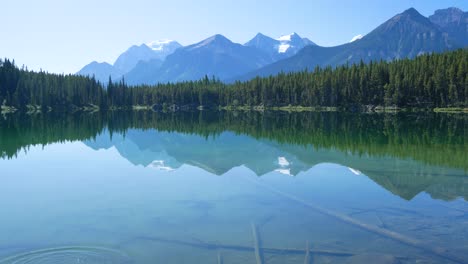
column 292, row 43
column 154, row 52
column 215, row 56
column 130, row 58
column 164, row 47
column 280, row 48
column 406, row 35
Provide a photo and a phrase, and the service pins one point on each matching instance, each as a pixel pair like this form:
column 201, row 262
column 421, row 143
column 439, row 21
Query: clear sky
column 64, row 35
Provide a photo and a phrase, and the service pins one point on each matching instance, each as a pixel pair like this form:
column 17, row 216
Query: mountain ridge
column 406, row 35
column 279, row 48
column 214, row 56
column 130, row 59
column 454, row 21
column 102, row 71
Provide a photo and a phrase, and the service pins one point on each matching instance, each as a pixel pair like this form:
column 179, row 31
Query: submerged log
column 219, row 246
column 258, row 253
column 381, row 222
column 437, row 251
column 220, row 258
column 372, row 258
column 307, row 256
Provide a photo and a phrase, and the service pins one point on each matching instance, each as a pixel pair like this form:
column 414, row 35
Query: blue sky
column 64, row 35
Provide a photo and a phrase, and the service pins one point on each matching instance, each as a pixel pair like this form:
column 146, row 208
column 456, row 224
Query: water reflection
column 186, row 187
column 405, row 153
column 219, row 154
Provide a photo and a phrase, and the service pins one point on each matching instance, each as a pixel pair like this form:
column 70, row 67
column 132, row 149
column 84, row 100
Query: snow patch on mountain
column 288, row 42
column 285, row 42
column 286, row 37
column 160, row 45
column 283, row 47
column 358, row 37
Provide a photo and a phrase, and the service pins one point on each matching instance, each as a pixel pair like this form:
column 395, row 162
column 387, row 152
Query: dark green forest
column 429, row 81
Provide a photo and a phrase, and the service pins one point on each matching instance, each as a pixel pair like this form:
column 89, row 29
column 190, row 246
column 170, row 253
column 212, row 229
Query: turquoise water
column 194, row 189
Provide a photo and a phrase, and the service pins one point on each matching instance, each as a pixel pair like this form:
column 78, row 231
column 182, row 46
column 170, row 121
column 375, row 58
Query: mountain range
column 214, row 56
column 152, row 53
column 280, row 48
column 453, row 21
column 405, row 35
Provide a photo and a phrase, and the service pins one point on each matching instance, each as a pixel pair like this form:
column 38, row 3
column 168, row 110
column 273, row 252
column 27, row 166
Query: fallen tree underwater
column 437, row 251
column 218, row 246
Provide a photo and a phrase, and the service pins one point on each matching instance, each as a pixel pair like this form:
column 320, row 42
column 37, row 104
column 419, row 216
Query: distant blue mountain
column 155, row 51
column 101, row 71
column 130, row 58
column 215, row 56
column 280, row 48
column 143, row 72
column 453, row 21
column 164, row 48
column 406, row 35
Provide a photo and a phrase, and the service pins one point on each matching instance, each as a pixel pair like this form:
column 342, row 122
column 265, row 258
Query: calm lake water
column 209, row 187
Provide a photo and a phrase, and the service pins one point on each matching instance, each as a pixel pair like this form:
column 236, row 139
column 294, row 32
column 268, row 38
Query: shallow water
column 188, row 188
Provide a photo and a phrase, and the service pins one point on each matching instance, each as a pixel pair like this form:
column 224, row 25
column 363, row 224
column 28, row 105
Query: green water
column 144, row 187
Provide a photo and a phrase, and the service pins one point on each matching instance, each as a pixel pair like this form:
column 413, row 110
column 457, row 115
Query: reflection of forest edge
column 387, row 148
column 436, row 138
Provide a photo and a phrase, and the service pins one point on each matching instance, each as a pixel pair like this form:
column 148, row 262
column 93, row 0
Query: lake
column 233, row 187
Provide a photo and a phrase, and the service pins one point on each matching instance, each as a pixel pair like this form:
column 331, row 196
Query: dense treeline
column 432, row 80
column 435, row 138
column 20, row 87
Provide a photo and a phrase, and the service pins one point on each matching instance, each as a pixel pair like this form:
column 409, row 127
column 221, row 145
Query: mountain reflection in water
column 405, row 153
column 139, row 187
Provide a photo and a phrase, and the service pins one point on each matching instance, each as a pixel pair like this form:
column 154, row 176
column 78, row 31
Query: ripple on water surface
column 69, row 255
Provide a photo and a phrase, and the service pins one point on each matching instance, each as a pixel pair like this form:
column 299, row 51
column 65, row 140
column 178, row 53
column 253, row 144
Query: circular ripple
column 70, row 255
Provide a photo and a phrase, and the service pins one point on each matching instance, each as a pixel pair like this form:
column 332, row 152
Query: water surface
column 142, row 187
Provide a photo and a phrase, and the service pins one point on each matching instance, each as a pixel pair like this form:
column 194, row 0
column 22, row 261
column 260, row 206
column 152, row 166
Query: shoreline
column 175, row 108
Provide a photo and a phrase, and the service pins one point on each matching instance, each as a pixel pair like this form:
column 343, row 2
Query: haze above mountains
column 406, row 35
